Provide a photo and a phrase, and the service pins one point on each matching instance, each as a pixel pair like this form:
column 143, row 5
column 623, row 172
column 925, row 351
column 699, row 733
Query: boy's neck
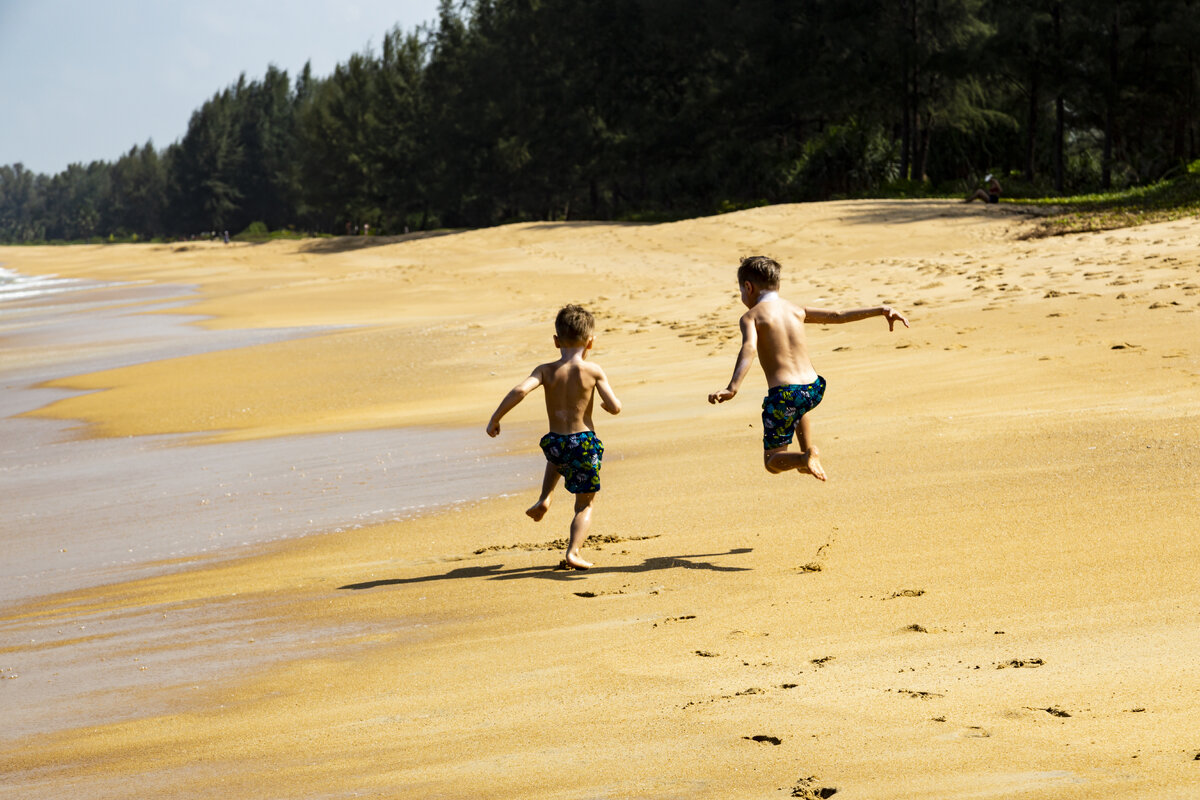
column 570, row 351
column 769, row 294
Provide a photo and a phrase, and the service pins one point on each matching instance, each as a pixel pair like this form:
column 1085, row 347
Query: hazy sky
column 85, row 80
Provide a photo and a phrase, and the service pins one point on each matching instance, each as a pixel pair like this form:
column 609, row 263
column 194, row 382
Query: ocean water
column 15, row 286
column 78, row 512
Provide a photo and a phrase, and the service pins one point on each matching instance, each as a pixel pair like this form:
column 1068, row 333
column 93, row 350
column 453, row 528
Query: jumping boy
column 572, row 448
column 774, row 328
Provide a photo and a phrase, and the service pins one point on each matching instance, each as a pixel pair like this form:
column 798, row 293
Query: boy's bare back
column 570, row 386
column 776, row 327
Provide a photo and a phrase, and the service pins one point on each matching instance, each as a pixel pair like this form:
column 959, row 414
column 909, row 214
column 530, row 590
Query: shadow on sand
column 342, row 244
column 496, row 572
column 903, row 212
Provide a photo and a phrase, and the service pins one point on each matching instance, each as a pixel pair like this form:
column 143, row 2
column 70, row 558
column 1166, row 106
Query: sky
column 86, row 80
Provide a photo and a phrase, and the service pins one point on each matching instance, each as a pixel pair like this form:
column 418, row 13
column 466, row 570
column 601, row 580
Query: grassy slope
column 1165, row 200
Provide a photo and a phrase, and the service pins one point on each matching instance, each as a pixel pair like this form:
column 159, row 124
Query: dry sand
column 994, row 596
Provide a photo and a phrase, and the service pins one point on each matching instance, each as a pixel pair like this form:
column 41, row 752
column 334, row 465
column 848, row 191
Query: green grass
column 1170, row 199
column 270, row 236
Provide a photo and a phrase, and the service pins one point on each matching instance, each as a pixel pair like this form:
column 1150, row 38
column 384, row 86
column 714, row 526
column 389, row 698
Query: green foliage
column 505, row 110
column 843, row 160
column 254, row 232
column 906, row 188
column 1175, row 198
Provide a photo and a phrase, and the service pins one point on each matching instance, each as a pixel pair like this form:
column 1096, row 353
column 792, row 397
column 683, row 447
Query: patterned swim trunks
column 577, row 458
column 784, row 406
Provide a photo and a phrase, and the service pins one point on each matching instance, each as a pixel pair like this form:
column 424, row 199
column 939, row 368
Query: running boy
column 572, row 449
column 774, row 328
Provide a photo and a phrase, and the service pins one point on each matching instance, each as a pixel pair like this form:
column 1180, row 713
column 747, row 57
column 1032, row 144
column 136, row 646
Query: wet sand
column 82, row 510
column 993, row 596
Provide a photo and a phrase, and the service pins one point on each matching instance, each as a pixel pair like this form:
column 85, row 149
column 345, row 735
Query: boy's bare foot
column 575, row 562
column 812, row 465
column 538, row 510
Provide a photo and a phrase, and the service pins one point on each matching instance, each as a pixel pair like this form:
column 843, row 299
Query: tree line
column 503, row 110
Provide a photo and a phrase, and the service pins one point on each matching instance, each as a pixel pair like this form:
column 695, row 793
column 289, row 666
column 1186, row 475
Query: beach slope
column 992, row 597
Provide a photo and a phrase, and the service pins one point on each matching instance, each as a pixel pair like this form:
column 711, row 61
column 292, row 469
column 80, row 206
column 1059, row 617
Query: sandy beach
column 265, row 549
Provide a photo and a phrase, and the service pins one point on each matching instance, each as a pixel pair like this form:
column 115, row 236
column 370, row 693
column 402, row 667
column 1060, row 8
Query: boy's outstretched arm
column 744, row 360
column 514, row 396
column 608, row 399
column 825, row 316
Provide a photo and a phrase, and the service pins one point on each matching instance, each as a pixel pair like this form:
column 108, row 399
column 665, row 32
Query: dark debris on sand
column 763, row 738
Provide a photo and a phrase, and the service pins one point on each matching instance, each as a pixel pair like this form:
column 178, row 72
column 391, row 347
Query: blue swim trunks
column 784, row 406
column 577, row 458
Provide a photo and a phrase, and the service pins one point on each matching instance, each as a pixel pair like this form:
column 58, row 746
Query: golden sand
column 994, row 596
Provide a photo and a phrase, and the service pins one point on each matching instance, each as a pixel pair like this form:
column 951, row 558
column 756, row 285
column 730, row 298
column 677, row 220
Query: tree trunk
column 914, row 103
column 1110, row 110
column 1031, row 130
column 923, row 158
column 1187, row 143
column 1059, row 102
column 1059, row 124
column 905, row 94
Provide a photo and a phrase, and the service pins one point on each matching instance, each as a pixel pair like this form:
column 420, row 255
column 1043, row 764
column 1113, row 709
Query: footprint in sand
column 919, row 695
column 969, row 732
column 748, row 633
column 1021, row 663
column 905, row 593
column 599, row 594
column 1053, row 711
column 810, row 789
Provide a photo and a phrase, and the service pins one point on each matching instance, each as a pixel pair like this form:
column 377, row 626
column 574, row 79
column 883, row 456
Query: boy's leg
column 549, row 481
column 779, row 459
column 579, row 530
column 805, row 439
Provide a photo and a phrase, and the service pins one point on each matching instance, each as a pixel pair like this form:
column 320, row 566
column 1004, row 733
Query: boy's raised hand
column 893, row 316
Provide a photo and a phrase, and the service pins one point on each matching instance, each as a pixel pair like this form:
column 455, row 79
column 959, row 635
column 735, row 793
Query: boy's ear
column 556, row 344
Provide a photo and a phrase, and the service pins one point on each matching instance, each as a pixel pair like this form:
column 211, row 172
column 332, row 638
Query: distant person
column 225, row 235
column 773, row 329
column 992, row 195
column 572, row 449
column 366, row 229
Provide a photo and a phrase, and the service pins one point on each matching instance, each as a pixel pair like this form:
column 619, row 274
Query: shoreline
column 137, row 504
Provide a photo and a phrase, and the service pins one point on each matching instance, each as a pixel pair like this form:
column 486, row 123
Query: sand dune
column 993, row 596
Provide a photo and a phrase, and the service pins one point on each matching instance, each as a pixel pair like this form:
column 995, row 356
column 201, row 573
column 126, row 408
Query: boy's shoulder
column 551, row 369
column 773, row 308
